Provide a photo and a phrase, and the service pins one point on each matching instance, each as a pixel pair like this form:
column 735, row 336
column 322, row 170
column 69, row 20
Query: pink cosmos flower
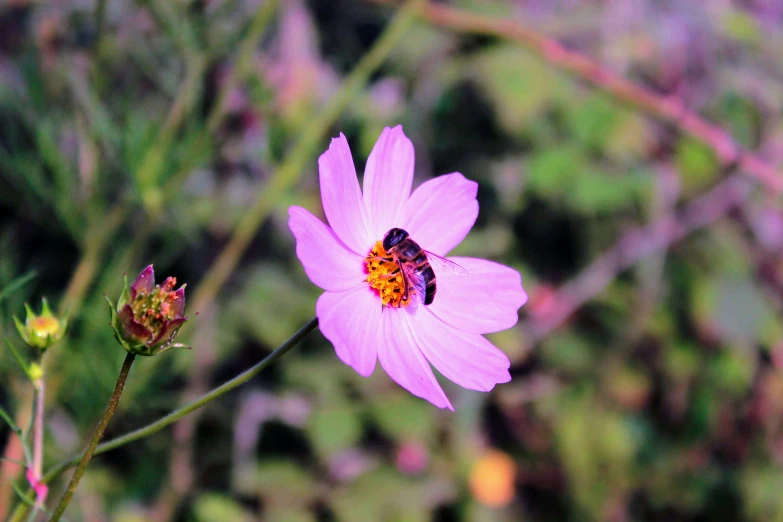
column 361, row 313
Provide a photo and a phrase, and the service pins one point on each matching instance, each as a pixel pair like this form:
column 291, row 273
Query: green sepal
column 112, row 310
column 115, row 320
column 30, row 315
column 45, row 310
column 20, row 328
column 125, row 295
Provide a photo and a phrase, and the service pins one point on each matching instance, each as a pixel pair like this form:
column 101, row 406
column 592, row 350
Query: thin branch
column 96, row 437
column 179, row 413
column 669, row 109
column 632, row 248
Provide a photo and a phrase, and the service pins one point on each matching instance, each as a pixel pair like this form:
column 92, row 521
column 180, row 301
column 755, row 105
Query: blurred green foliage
column 141, row 134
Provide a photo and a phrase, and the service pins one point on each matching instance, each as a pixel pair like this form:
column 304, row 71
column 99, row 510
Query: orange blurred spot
column 492, row 479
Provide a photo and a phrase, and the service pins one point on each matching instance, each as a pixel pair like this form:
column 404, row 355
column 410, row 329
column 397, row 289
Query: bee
column 414, row 263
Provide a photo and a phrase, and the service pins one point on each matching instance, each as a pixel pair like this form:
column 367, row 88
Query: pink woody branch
column 669, row 109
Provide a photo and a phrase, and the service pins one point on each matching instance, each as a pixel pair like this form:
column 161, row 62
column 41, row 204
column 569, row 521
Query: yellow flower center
column 383, row 274
column 44, row 326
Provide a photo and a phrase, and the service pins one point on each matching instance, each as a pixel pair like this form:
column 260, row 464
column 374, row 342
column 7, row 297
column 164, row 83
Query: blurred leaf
column 593, row 120
column 324, row 377
column 404, row 417
column 567, row 352
column 551, row 172
column 282, row 483
column 597, row 447
column 16, row 284
column 288, row 514
column 376, row 496
column 629, row 387
column 682, row 361
column 732, row 371
column 630, row 139
column 213, row 507
column 761, row 484
column 697, row 164
column 597, row 192
column 421, row 42
column 334, row 428
column 741, row 26
column 743, row 118
column 272, row 304
column 520, row 86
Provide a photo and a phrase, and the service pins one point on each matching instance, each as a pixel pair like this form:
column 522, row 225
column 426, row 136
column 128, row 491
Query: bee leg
column 389, row 275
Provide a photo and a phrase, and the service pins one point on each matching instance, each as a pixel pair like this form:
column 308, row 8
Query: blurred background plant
column 648, row 365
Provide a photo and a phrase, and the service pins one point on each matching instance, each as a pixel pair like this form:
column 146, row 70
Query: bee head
column 393, row 238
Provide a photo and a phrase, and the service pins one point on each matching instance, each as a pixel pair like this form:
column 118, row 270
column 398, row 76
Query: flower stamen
column 383, row 274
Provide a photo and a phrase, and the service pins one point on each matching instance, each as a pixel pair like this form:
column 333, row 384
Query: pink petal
column 131, row 327
column 485, row 301
column 326, row 260
column 144, row 283
column 441, row 212
column 466, row 359
column 169, row 331
column 403, row 361
column 342, row 198
column 178, row 304
column 350, row 320
column 387, row 180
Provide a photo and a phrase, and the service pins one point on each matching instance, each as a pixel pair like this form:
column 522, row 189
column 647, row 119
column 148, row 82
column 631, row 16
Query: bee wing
column 415, row 286
column 449, row 267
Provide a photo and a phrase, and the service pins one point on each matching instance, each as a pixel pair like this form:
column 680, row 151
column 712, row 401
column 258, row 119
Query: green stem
column 85, row 460
column 174, row 416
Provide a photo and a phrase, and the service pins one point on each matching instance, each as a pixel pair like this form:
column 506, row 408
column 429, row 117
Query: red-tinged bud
column 148, row 317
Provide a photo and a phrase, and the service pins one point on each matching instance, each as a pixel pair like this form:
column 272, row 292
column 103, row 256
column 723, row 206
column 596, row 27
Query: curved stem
column 96, row 437
column 177, row 414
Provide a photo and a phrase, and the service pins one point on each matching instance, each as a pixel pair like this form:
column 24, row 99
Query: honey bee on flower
column 382, row 257
column 401, row 272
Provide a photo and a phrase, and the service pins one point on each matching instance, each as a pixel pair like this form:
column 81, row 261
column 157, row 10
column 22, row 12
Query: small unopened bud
column 35, row 372
column 41, row 330
column 148, row 317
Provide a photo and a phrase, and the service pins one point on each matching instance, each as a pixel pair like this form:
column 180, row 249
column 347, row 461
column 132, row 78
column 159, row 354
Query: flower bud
column 148, row 317
column 41, row 331
column 35, row 372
